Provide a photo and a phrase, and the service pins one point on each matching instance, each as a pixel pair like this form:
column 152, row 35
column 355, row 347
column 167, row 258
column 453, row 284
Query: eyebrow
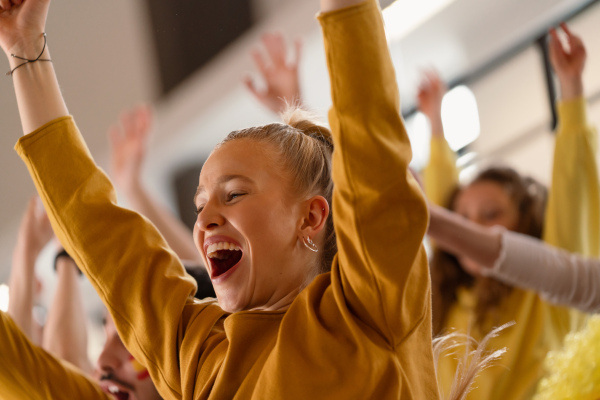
column 223, row 179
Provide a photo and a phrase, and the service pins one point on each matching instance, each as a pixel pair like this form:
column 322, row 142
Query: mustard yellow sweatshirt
column 572, row 222
column 29, row 372
column 362, row 331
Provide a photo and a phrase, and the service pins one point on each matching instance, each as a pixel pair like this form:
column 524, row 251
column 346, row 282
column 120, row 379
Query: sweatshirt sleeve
column 380, row 215
column 29, row 372
column 123, row 255
column 558, row 276
column 441, row 173
column 572, row 217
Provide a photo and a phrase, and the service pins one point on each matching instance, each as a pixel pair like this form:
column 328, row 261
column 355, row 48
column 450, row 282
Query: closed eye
column 234, row 195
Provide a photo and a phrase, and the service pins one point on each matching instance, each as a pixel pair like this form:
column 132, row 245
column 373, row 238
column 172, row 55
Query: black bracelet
column 61, row 254
column 29, row 61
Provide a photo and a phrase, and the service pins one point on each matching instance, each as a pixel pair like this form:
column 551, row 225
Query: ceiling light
column 404, row 16
column 3, row 298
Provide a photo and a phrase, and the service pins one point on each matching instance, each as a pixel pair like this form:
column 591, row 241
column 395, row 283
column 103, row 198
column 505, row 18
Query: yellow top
column 362, row 331
column 572, row 222
column 440, row 174
column 29, row 372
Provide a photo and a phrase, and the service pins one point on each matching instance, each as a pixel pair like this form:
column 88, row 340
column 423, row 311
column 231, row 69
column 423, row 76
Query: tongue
column 224, row 261
column 122, row 395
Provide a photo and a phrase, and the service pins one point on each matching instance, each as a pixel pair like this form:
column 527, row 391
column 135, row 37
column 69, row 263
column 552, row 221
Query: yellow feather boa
column 574, row 371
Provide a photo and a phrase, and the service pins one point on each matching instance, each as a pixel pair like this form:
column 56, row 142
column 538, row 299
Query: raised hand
column 129, row 139
column 22, row 23
column 568, row 62
column 429, row 99
column 35, row 230
column 279, row 75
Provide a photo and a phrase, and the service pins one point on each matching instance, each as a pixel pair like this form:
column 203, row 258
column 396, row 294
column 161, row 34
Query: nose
column 111, row 358
column 210, row 217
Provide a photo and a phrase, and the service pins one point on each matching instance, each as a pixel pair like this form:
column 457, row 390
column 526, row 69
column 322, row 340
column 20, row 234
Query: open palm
column 280, row 76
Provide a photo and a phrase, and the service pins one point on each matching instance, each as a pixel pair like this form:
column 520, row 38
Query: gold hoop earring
column 310, row 244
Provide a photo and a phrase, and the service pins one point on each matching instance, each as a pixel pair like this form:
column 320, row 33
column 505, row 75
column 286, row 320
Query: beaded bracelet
column 27, row 60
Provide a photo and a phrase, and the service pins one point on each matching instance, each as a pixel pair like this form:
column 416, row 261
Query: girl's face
column 248, row 228
column 486, row 203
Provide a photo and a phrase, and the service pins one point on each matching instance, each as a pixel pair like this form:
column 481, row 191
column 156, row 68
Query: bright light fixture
column 404, row 16
column 460, row 117
column 3, row 298
column 419, row 133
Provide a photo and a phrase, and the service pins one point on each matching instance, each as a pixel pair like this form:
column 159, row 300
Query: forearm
column 557, row 275
column 463, row 238
column 440, row 174
column 121, row 253
column 22, row 289
column 37, row 91
column 65, row 333
column 177, row 235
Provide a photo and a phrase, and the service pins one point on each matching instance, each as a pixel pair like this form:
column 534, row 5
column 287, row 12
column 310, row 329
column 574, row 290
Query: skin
column 259, row 211
column 487, row 204
column 429, row 100
column 282, row 83
column 116, row 362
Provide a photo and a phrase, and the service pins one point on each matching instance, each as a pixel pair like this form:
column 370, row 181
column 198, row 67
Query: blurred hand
column 129, row 140
column 429, row 100
column 431, row 92
column 568, row 62
column 35, row 230
column 280, row 77
column 22, row 23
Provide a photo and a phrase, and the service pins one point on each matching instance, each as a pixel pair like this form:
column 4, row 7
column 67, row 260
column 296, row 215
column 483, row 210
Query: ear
column 314, row 218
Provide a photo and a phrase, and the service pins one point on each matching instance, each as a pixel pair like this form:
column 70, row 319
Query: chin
column 230, row 302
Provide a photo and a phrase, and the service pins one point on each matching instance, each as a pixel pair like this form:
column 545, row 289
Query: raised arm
column 573, row 214
column 129, row 141
column 123, row 255
column 22, row 27
column 280, row 76
column 440, row 174
column 29, row 372
column 34, row 234
column 65, row 332
column 522, row 261
column 380, row 214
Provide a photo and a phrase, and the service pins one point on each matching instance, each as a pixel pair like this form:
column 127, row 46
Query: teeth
column 211, row 251
column 113, row 389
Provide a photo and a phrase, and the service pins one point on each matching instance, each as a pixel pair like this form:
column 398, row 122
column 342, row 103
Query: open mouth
column 119, row 394
column 222, row 257
column 116, row 388
column 116, row 391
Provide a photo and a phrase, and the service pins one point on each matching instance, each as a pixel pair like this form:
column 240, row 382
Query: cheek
column 141, row 373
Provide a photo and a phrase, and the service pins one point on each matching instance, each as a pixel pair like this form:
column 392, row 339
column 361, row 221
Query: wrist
column 571, row 88
column 27, row 46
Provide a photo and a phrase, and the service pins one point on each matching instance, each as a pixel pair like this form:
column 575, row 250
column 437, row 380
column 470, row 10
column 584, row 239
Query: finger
column 260, row 62
column 555, row 47
column 275, row 45
column 5, row 4
column 566, row 29
column 249, row 83
column 128, row 123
